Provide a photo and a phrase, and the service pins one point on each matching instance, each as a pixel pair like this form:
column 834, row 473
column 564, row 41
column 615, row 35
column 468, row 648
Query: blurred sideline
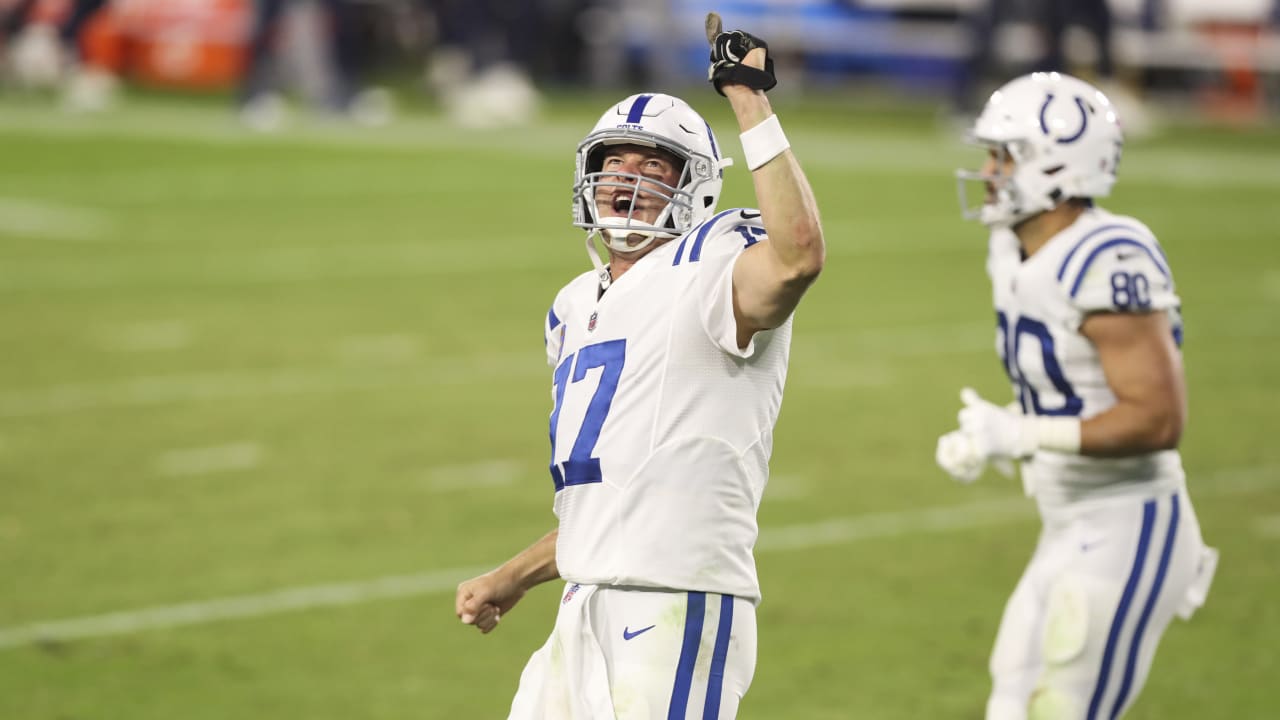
column 488, row 64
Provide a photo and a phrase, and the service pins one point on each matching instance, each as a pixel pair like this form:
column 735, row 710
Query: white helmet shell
column 1063, row 136
column 650, row 120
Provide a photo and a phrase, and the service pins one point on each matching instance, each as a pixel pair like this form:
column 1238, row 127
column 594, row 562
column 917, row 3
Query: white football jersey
column 1101, row 263
column 662, row 427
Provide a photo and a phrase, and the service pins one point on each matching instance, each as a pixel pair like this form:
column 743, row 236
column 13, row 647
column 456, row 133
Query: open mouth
column 623, row 203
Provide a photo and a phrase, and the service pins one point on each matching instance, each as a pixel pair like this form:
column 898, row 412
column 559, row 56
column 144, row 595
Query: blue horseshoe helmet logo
column 1084, row 120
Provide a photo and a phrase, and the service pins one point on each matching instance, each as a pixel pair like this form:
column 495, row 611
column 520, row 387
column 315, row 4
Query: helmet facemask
column 630, row 232
column 1015, row 189
column 1063, row 138
column 649, row 121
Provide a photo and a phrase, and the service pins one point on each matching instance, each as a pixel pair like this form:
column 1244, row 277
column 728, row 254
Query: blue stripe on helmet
column 637, row 109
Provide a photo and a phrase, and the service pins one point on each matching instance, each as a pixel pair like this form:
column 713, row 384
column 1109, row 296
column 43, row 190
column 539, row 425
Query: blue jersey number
column 581, row 468
column 1011, row 343
column 1130, row 290
column 751, row 234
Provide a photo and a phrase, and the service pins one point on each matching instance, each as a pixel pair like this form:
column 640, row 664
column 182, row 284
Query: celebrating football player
column 669, row 362
column 1088, row 326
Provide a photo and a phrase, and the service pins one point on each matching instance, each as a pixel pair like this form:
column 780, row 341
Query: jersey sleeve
column 553, row 329
column 719, row 242
column 1121, row 270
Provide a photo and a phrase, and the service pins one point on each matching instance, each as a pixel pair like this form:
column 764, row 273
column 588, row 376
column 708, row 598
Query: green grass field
column 264, row 401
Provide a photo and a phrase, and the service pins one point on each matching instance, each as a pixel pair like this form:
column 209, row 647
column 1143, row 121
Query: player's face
column 631, row 193
column 998, row 168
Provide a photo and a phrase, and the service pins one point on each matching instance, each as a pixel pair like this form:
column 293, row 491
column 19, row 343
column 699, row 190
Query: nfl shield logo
column 591, row 323
column 573, row 590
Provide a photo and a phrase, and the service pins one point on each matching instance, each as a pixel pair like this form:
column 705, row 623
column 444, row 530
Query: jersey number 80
column 1010, row 345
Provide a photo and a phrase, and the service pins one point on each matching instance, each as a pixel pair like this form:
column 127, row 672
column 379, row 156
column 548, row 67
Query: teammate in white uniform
column 669, row 365
column 1088, row 331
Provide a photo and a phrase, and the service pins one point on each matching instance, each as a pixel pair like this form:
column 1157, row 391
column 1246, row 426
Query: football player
column 1088, row 330
column 669, row 361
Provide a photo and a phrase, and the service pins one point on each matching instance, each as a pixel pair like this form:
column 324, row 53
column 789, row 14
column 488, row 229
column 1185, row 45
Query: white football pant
column 1080, row 631
column 638, row 654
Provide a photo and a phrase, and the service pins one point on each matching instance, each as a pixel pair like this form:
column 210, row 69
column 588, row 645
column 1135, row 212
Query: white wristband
column 1058, row 434
column 763, row 142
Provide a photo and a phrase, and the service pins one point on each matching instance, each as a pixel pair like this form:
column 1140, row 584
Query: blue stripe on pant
column 1122, row 610
column 694, row 619
column 715, row 681
column 1156, row 586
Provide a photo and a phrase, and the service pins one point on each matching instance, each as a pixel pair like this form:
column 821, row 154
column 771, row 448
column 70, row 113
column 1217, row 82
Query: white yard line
column 489, row 473
column 303, row 598
column 172, row 389
column 836, row 531
column 43, row 219
column 270, row 267
column 231, row 608
column 379, row 348
column 848, row 359
column 1269, row 526
column 145, row 337
column 1271, row 285
column 841, row 531
column 933, row 154
column 203, row 461
column 829, row 349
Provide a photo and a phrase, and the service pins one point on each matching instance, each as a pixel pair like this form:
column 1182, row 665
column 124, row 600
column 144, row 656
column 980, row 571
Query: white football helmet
column 650, row 120
column 1063, row 136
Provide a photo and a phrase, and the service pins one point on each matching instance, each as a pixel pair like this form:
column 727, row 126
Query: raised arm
column 770, row 277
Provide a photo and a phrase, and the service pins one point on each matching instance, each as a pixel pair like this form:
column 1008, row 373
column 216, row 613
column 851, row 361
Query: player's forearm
column 1132, row 429
column 535, row 564
column 784, row 197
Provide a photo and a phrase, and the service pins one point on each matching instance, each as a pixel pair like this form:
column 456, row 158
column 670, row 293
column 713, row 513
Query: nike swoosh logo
column 1124, row 256
column 627, row 634
column 1086, row 547
column 749, row 216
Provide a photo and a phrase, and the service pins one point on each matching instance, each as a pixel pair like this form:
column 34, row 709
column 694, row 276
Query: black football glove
column 727, row 51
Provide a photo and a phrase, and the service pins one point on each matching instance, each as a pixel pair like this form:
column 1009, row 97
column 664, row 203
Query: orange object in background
column 189, row 44
column 196, row 44
column 102, row 44
column 1239, row 97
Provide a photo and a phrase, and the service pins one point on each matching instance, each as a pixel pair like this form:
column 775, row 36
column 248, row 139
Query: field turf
column 264, row 401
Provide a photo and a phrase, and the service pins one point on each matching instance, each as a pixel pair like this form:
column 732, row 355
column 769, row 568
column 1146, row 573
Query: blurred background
column 359, row 59
column 272, row 282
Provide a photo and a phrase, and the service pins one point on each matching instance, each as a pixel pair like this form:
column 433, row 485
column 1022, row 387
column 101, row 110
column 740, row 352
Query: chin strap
column 617, row 241
column 618, row 244
column 602, row 270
